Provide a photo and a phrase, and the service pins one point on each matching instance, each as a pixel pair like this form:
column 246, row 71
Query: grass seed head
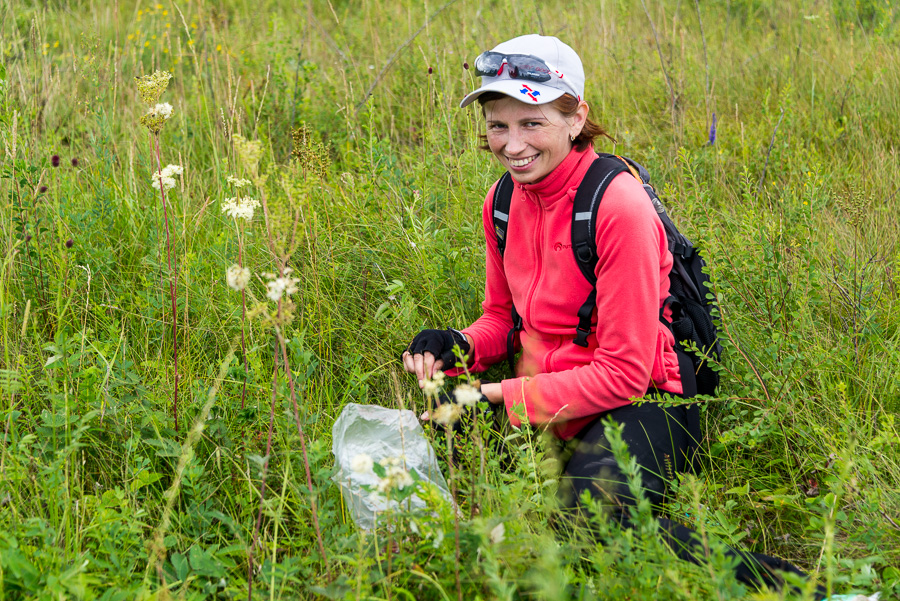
column 309, row 152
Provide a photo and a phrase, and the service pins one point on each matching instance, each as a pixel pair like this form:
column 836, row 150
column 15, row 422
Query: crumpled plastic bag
column 380, row 433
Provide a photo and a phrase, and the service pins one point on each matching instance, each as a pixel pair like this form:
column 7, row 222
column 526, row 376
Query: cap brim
column 528, row 92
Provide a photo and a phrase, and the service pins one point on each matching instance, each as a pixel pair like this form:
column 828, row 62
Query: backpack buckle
column 581, row 337
column 583, row 252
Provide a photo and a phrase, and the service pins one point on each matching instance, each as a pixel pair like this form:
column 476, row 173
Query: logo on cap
column 533, row 94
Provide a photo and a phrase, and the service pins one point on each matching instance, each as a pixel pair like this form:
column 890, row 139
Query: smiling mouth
column 522, row 162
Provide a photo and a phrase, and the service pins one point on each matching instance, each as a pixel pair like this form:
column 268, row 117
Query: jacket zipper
column 539, row 258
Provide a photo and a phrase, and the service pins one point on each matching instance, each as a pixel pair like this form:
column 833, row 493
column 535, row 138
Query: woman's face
column 530, row 140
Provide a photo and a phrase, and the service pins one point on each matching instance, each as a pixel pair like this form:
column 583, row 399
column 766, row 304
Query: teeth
column 520, row 162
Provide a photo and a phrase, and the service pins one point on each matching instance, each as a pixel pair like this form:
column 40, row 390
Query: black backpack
column 690, row 298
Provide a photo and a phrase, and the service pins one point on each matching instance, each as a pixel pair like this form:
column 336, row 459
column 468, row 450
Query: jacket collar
column 561, row 180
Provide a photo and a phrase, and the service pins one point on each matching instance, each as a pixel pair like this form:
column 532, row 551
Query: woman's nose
column 515, row 141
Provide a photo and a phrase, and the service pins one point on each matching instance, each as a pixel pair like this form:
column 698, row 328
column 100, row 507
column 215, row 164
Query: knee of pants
column 605, row 482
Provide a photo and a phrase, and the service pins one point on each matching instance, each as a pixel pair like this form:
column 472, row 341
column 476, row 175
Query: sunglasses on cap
column 521, row 66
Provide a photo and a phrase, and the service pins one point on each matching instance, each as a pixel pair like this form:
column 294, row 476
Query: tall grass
column 793, row 203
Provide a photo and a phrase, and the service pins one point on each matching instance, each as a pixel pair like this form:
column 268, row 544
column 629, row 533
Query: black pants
column 662, row 441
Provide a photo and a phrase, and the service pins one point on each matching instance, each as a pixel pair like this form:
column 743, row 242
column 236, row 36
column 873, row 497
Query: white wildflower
column 165, row 177
column 395, row 475
column 240, row 208
column 163, row 109
column 447, row 414
column 237, row 277
column 497, row 533
column 433, row 386
column 280, row 286
column 467, row 395
column 362, row 464
column 237, row 182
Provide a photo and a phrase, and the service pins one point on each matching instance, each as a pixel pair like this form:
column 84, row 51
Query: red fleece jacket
column 561, row 384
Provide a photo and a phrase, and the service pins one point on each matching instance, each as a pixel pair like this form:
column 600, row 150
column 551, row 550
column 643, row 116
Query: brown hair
column 565, row 104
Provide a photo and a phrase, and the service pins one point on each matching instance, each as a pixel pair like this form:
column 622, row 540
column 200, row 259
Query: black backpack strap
column 500, row 215
column 584, row 231
column 500, row 209
column 511, row 341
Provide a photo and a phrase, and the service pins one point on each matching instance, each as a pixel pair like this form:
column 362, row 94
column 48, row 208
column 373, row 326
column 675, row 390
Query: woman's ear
column 579, row 118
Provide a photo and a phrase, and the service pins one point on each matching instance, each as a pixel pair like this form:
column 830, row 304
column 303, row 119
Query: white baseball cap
column 513, row 70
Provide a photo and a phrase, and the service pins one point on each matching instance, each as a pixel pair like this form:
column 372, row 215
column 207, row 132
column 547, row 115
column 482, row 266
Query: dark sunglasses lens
column 488, row 63
column 529, row 67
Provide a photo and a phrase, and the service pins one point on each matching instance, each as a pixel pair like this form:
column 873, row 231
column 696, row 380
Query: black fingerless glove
column 440, row 343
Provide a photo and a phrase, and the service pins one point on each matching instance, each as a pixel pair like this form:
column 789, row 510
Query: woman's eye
column 533, row 124
column 496, row 127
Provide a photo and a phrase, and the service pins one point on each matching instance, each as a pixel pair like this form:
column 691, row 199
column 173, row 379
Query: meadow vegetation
column 769, row 127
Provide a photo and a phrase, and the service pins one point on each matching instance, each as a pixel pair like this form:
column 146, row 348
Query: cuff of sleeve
column 474, row 365
column 514, row 399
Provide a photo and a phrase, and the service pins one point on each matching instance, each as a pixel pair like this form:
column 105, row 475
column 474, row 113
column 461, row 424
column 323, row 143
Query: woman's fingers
column 422, row 364
column 408, row 362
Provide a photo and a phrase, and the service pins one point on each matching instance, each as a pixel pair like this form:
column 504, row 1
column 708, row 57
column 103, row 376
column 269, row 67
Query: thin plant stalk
column 449, row 432
column 309, row 485
column 262, row 488
column 173, row 278
column 243, row 318
column 287, row 368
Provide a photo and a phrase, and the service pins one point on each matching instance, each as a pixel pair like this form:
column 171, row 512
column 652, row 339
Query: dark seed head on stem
column 42, row 189
column 74, row 162
column 465, row 65
column 430, row 70
column 54, row 160
column 27, row 238
column 70, row 243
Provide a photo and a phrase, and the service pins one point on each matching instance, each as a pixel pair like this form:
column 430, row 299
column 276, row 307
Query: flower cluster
column 278, row 286
column 237, row 182
column 395, row 475
column 237, row 277
column 166, row 177
column 433, row 386
column 239, row 207
column 248, row 151
column 362, row 464
column 151, row 87
column 467, row 395
column 447, row 414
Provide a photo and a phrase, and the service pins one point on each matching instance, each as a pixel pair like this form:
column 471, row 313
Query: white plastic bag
column 380, row 433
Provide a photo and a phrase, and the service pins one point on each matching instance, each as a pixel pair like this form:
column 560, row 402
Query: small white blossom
column 167, row 183
column 239, row 207
column 237, row 182
column 237, row 277
column 165, row 178
column 433, row 386
column 497, row 533
column 171, row 170
column 163, row 109
column 280, row 286
column 395, row 475
column 447, row 414
column 361, row 464
column 467, row 395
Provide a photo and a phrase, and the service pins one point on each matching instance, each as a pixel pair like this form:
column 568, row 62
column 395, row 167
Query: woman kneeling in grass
column 539, row 130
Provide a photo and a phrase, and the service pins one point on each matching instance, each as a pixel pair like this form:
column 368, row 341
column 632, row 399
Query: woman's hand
column 494, row 393
column 431, row 350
